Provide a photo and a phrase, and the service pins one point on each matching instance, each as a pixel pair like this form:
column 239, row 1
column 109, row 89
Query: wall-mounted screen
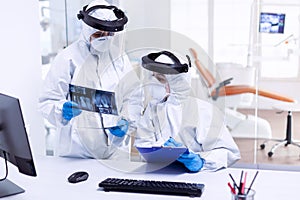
column 271, row 22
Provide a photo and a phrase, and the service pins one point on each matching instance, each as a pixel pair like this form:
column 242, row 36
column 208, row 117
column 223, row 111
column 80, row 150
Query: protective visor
column 149, row 63
column 109, row 26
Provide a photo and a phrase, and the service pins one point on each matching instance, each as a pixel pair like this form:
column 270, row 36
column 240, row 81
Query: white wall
column 148, row 21
column 286, row 88
column 20, row 63
column 147, row 13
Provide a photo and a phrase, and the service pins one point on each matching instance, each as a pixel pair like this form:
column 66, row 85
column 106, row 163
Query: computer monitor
column 271, row 22
column 14, row 144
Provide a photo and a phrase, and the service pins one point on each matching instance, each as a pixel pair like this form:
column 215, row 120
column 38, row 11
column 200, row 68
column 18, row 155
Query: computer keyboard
column 152, row 187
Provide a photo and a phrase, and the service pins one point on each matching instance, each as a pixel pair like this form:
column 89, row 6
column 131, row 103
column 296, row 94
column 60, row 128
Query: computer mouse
column 77, row 177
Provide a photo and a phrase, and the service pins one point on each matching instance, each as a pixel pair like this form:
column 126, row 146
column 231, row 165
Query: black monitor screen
column 14, row 144
column 271, row 22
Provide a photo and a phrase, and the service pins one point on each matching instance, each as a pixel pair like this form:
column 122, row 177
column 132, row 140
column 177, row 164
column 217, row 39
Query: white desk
column 51, row 182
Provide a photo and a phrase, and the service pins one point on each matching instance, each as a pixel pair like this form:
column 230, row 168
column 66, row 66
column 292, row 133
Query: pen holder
column 247, row 196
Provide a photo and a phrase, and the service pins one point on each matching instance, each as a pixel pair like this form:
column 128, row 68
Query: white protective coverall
column 195, row 123
column 81, row 65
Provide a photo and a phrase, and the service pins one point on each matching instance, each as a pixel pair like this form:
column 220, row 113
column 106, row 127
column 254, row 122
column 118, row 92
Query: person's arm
column 220, row 152
column 56, row 87
column 210, row 138
column 129, row 99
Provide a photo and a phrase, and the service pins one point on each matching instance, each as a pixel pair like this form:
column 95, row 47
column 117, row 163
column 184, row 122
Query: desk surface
column 51, row 182
column 293, row 107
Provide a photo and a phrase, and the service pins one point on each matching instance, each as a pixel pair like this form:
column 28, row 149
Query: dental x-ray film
column 93, row 100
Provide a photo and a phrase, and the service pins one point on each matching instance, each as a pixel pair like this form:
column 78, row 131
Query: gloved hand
column 121, row 128
column 190, row 160
column 70, row 109
column 171, row 142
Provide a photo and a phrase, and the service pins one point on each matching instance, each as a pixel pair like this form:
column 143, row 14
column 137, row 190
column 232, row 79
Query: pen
column 235, row 185
column 241, row 183
column 252, row 182
column 231, row 188
column 244, row 184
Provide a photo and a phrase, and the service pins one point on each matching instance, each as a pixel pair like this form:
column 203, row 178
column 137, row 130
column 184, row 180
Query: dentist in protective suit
column 173, row 117
column 96, row 61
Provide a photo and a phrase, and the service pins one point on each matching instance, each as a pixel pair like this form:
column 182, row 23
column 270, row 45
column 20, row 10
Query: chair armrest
column 215, row 95
column 241, row 89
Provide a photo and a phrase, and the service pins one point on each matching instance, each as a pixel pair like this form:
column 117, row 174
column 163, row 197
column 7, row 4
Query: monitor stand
column 8, row 188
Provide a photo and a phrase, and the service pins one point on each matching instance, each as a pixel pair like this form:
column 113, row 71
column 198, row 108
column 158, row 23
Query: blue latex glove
column 70, row 109
column 171, row 142
column 190, row 160
column 121, row 128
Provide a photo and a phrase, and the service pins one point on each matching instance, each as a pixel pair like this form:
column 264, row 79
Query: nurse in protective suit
column 174, row 117
column 96, row 60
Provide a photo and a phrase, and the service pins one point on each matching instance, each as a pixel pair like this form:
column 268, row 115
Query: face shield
column 151, row 62
column 103, row 28
column 164, row 75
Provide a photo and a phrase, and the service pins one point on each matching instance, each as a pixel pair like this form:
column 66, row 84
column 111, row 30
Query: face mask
column 101, row 44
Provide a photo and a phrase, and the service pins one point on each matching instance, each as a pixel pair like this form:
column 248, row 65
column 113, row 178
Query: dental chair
column 240, row 125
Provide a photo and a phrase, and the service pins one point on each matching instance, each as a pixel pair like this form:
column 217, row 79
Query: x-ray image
column 271, row 22
column 105, row 102
column 94, row 100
